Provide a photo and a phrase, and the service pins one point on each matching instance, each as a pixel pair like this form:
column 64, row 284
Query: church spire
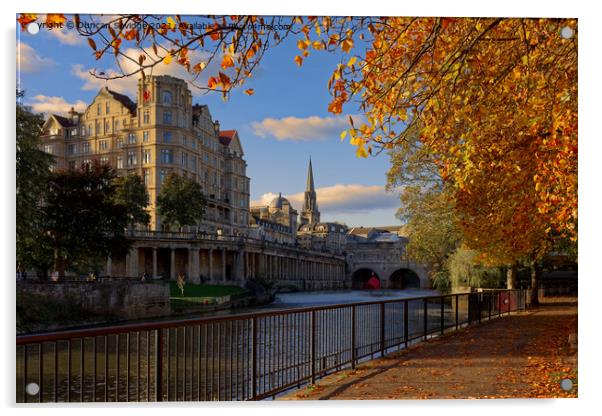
column 310, row 213
column 310, row 178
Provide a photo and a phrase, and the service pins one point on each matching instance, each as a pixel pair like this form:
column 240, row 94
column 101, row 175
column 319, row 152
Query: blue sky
column 284, row 123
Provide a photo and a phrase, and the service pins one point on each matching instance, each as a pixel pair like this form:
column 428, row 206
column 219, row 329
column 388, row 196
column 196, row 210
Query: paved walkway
column 523, row 355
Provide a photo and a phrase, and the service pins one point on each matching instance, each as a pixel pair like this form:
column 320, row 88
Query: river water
column 214, row 361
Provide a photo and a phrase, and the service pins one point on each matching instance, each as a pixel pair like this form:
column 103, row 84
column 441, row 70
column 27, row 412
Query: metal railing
column 237, row 357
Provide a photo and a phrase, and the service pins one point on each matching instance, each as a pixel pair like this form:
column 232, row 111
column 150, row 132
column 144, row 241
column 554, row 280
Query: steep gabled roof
column 226, row 136
column 124, row 99
column 63, row 121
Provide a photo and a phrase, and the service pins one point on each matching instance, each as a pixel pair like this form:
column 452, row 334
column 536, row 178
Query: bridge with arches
column 387, row 260
column 405, row 275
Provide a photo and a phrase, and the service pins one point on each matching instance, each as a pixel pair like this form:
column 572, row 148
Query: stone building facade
column 160, row 133
column 275, row 222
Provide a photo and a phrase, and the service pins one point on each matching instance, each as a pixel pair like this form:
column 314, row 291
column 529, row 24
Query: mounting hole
column 32, row 389
column 566, row 384
column 567, row 32
column 33, row 28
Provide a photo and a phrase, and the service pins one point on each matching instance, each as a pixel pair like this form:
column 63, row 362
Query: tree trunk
column 511, row 277
column 534, row 282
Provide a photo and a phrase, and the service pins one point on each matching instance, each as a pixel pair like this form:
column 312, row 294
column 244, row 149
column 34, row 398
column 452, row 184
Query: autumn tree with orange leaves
column 493, row 100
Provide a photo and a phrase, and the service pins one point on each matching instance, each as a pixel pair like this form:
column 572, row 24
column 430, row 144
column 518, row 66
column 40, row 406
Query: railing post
column 313, row 346
column 159, row 365
column 457, row 312
column 479, row 305
column 406, row 320
column 490, row 303
column 254, row 356
column 382, row 329
column 442, row 315
column 425, row 310
column 353, row 337
column 499, row 305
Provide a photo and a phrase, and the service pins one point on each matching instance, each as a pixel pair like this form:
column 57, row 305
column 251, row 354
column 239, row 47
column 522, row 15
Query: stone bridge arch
column 361, row 276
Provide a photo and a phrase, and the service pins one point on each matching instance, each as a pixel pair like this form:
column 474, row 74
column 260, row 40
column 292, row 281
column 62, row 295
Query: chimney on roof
column 73, row 115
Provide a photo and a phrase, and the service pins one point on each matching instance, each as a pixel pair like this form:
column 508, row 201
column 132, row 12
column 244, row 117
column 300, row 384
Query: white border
column 590, row 311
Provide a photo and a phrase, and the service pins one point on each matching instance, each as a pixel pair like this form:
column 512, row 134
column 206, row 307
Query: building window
column 98, row 109
column 167, row 137
column 104, row 160
column 146, row 156
column 167, row 117
column 84, row 131
column 162, row 175
column 146, row 117
column 72, row 165
column 131, row 158
column 184, row 140
column 54, row 132
column 108, row 107
column 103, row 145
column 107, row 126
column 146, row 176
column 97, row 128
column 119, row 162
column 87, row 163
column 145, row 137
column 166, row 156
column 166, row 97
column 132, row 138
column 119, row 143
column 72, row 149
column 184, row 159
column 74, row 132
column 85, row 147
column 193, row 163
column 48, row 148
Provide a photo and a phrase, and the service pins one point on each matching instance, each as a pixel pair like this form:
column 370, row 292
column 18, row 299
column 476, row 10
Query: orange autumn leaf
column 227, row 62
column 55, row 19
column 249, row 91
column 26, row 18
column 212, row 82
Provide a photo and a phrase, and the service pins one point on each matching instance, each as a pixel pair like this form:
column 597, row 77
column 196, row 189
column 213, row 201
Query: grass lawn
column 192, row 290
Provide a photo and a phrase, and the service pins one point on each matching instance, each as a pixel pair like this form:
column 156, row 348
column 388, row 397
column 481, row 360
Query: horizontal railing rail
column 250, row 356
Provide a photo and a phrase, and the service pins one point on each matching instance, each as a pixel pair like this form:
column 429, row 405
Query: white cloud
column 28, row 59
column 301, row 129
column 55, row 105
column 128, row 85
column 67, row 36
column 342, row 198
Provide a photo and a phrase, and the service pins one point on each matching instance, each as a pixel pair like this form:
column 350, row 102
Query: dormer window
column 98, row 109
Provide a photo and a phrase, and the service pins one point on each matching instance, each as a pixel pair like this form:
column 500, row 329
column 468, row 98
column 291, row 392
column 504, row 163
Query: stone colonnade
column 231, row 264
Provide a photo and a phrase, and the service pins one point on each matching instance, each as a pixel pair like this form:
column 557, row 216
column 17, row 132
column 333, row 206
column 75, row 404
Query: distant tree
column 32, row 175
column 181, row 201
column 84, row 223
column 131, row 192
column 427, row 208
column 465, row 269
